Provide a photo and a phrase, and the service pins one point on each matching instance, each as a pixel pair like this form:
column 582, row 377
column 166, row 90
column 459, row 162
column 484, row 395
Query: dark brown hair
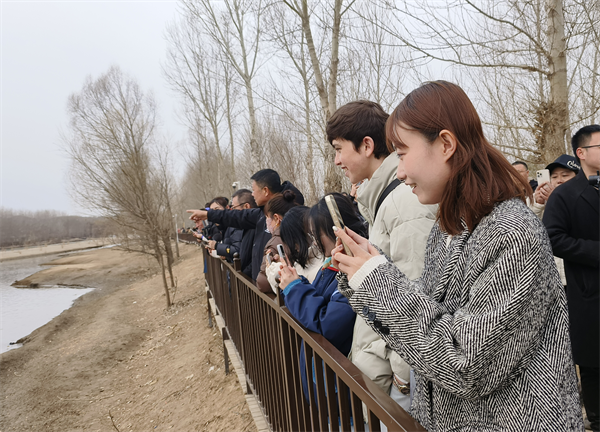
column 480, row 175
column 280, row 203
column 222, row 201
column 357, row 120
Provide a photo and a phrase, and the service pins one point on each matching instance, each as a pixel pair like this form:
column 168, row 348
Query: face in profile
column 259, row 194
column 350, row 160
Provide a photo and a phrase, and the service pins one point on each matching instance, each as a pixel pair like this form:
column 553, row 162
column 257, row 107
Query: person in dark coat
column 265, row 184
column 238, row 241
column 572, row 218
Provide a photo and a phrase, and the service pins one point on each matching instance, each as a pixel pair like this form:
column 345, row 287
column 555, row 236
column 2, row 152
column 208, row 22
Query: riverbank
column 51, row 249
column 117, row 360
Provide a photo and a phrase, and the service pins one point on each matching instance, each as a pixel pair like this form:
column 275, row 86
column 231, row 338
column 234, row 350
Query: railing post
column 291, row 393
column 207, row 277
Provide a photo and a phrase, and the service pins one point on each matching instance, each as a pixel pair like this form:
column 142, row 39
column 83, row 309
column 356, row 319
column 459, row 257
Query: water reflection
column 22, row 310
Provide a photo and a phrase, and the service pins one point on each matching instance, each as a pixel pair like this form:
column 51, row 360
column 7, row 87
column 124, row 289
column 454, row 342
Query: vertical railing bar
column 314, row 414
column 374, row 423
column 332, row 403
column 321, row 397
column 303, row 407
column 357, row 413
column 281, row 397
column 344, row 404
column 290, row 389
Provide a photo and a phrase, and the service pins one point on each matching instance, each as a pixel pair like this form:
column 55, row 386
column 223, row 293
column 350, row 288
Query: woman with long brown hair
column 485, row 328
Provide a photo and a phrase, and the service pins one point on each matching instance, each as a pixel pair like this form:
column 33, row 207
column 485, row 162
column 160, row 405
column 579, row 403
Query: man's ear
column 369, row 146
column 449, row 143
column 579, row 152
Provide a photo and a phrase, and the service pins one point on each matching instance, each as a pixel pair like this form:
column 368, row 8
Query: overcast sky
column 48, row 49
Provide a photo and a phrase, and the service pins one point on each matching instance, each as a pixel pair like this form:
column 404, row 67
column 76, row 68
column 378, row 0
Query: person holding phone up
column 485, row 327
column 318, row 306
column 563, row 169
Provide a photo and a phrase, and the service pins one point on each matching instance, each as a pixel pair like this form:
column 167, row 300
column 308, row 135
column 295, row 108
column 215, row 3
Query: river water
column 22, row 310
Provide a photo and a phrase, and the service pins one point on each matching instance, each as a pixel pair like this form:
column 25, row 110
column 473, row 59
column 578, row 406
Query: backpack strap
column 393, row 185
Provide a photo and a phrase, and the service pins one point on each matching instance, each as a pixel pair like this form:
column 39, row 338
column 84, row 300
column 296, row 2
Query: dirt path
column 117, row 360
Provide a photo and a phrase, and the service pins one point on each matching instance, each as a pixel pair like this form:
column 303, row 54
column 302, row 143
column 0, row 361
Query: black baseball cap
column 564, row 161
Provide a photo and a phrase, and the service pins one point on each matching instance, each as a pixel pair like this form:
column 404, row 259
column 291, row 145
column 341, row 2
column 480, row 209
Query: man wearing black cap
column 572, row 218
column 563, row 169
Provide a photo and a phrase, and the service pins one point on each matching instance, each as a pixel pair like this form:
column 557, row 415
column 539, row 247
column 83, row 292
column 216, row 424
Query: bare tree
column 373, row 66
column 112, row 144
column 295, row 98
column 236, row 30
column 327, row 85
column 197, row 72
column 520, row 49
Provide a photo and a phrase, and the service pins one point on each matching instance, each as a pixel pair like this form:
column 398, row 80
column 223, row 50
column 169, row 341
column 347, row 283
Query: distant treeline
column 23, row 228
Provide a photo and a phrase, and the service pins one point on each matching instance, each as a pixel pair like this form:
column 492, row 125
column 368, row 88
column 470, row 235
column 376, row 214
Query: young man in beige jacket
column 398, row 224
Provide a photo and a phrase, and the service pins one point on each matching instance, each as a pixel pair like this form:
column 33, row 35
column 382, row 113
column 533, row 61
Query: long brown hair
column 480, row 175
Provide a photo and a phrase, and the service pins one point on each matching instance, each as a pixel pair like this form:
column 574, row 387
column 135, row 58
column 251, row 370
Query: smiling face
column 354, row 163
column 424, row 166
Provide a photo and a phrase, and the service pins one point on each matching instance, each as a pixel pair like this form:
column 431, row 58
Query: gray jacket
column 485, row 327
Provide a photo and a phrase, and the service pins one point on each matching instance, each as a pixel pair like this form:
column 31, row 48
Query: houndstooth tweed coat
column 485, row 327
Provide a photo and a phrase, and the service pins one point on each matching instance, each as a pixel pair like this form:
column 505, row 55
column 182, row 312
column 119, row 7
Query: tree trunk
column 254, row 153
column 170, row 259
column 161, row 262
column 229, row 124
column 310, row 171
column 559, row 92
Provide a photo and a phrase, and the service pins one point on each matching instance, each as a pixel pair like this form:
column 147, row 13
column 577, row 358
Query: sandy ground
column 51, row 249
column 118, row 360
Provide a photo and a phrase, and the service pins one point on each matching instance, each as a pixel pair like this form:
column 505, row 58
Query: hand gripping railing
column 269, row 339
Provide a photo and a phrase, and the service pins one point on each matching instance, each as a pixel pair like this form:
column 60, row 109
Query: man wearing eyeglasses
column 572, row 218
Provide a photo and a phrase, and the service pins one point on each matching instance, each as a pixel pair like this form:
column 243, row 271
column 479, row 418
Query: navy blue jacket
column 248, row 220
column 232, row 243
column 321, row 309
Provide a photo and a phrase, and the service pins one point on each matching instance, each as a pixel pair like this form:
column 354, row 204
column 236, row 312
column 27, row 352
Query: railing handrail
column 385, row 408
column 377, row 401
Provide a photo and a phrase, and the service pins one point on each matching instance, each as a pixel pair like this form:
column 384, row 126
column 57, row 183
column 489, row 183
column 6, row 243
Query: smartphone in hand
column 334, row 211
column 543, row 176
column 282, row 255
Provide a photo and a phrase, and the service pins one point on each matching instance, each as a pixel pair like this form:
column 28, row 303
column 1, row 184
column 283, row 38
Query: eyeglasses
column 237, row 206
column 592, row 146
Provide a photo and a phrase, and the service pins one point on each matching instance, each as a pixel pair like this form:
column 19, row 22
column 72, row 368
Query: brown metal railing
column 268, row 340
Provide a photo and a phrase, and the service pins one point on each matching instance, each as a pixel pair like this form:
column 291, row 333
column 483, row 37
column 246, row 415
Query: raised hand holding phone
column 282, row 255
column 360, row 247
column 543, row 176
column 334, row 211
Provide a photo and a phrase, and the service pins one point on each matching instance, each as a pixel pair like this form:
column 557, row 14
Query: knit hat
column 564, row 161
